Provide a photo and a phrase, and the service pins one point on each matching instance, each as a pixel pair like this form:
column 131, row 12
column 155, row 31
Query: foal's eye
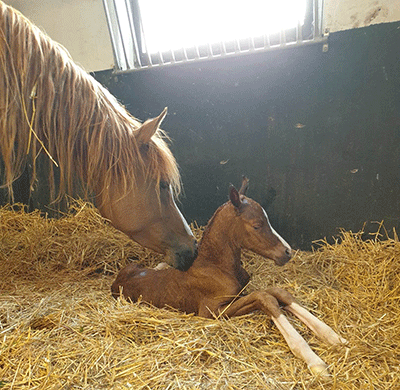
column 257, row 227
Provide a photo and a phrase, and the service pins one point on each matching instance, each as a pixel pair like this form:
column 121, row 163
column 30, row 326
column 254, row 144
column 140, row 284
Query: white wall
column 79, row 25
column 347, row 14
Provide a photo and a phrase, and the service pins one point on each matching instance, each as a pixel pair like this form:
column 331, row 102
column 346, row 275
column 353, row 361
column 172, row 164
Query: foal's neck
column 219, row 246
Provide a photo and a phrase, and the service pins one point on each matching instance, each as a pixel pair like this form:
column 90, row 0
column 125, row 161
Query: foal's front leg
column 319, row 327
column 262, row 300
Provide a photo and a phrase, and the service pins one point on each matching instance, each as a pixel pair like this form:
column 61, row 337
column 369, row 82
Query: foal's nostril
column 288, row 252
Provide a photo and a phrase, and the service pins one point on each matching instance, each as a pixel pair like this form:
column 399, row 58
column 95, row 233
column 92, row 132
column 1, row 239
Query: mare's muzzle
column 185, row 257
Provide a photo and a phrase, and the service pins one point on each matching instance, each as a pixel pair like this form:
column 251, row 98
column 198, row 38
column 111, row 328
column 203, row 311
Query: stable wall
column 317, row 133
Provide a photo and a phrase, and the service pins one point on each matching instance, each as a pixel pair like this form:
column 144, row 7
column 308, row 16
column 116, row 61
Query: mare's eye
column 257, row 227
column 164, row 185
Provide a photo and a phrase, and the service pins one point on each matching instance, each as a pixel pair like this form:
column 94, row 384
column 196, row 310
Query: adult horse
column 50, row 107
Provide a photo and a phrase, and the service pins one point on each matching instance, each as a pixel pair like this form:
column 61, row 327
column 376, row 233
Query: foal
column 211, row 286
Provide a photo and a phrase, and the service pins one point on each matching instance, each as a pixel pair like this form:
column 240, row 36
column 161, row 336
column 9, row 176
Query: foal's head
column 254, row 230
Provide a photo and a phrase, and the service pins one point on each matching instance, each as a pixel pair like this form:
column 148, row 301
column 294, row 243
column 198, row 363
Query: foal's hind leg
column 319, row 327
column 262, row 300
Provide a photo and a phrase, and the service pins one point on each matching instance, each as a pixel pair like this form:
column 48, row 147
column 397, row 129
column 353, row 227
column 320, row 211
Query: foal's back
column 182, row 290
column 159, row 288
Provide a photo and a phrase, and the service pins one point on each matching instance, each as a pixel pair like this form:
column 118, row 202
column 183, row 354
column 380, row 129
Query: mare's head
column 146, row 211
column 95, row 144
column 254, row 230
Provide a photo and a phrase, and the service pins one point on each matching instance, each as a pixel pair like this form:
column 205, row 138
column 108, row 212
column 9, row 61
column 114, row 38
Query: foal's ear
column 245, row 185
column 148, row 128
column 234, row 196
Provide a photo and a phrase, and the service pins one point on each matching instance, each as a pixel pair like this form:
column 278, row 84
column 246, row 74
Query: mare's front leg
column 262, row 300
column 319, row 327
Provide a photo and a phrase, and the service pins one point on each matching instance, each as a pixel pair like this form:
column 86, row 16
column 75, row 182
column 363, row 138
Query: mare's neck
column 219, row 246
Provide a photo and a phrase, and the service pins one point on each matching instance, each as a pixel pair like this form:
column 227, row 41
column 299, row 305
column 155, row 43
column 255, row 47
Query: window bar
column 252, row 45
column 142, row 52
column 173, row 59
column 209, row 49
column 137, row 64
column 267, row 42
column 112, row 34
column 282, row 38
column 196, row 52
column 223, row 48
column 160, row 58
column 240, row 46
column 122, row 38
column 299, row 32
column 315, row 20
column 185, row 55
column 237, row 46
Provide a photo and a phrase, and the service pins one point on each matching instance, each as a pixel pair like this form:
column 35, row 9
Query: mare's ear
column 234, row 196
column 245, row 185
column 148, row 128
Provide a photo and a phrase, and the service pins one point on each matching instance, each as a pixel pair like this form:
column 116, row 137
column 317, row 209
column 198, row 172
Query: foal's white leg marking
column 321, row 329
column 299, row 346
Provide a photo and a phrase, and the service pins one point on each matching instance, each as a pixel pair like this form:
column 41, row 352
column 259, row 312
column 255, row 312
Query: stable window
column 148, row 33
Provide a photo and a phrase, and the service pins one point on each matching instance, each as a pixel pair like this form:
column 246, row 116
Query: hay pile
column 60, row 328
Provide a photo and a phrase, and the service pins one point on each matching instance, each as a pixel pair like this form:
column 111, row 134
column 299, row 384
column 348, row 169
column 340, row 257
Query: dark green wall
column 317, row 133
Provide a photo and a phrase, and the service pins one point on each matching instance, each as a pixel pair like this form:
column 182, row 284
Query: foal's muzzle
column 284, row 257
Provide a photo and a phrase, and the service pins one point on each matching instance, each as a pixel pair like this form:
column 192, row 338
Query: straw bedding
column 60, row 328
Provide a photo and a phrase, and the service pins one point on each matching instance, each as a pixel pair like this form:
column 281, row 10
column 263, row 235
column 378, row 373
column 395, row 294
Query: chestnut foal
column 212, row 285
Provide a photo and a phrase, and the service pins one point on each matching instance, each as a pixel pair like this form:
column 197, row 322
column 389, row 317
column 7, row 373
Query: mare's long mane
column 49, row 105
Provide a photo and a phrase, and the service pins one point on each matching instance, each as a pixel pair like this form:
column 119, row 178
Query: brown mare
column 211, row 287
column 53, row 111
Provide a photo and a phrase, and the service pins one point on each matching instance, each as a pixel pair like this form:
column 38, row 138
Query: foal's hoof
column 320, row 370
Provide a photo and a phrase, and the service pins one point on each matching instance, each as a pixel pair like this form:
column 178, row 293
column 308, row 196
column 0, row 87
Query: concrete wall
column 347, row 14
column 79, row 25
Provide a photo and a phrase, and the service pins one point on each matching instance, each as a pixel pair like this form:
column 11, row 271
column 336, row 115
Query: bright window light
column 176, row 24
